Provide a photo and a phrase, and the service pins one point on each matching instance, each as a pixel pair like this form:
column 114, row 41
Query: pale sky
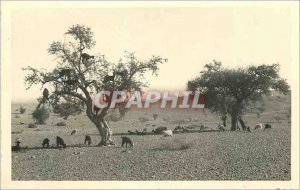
column 188, row 37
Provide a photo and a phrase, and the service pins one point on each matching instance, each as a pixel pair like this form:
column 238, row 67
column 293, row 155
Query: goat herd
column 127, row 141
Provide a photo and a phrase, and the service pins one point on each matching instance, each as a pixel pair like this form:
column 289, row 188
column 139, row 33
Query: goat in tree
column 108, row 78
column 86, row 57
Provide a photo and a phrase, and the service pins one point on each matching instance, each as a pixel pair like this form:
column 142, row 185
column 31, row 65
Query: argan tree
column 78, row 76
column 229, row 91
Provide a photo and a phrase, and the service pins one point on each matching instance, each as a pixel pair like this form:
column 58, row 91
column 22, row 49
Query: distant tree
column 228, row 91
column 79, row 76
column 22, row 110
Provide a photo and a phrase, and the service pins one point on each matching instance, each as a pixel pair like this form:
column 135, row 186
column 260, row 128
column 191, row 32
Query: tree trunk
column 233, row 121
column 234, row 115
column 105, row 133
column 242, row 124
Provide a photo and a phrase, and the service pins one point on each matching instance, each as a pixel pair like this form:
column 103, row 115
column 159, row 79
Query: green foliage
column 40, row 115
column 174, row 145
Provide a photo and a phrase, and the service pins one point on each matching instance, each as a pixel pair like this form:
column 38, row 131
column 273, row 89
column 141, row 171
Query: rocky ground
column 259, row 155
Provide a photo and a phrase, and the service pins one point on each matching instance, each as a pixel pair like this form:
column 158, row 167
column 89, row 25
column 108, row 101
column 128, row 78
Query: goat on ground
column 60, row 142
column 46, row 142
column 88, row 140
column 127, row 140
column 259, row 126
column 221, row 127
column 267, row 126
column 17, row 147
column 168, row 133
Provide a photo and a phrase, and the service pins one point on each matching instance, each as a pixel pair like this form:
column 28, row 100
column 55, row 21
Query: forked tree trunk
column 105, row 133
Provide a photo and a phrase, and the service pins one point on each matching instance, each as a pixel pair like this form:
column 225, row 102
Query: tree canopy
column 227, row 90
column 78, row 76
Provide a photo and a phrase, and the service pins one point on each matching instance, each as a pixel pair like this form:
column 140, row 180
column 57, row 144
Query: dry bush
column 61, row 124
column 202, row 127
column 155, row 116
column 166, row 119
column 143, row 119
column 22, row 110
column 174, row 145
column 278, row 118
column 192, row 126
column 40, row 115
column 31, row 125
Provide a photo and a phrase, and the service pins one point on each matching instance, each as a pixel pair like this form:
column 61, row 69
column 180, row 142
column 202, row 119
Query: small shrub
column 22, row 110
column 17, row 116
column 202, row 127
column 61, row 123
column 144, row 119
column 31, row 125
column 277, row 118
column 155, row 116
column 40, row 115
column 258, row 114
column 192, row 126
column 175, row 145
column 17, row 132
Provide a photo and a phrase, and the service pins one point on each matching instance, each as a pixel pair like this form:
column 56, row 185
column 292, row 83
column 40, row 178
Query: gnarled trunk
column 102, row 126
column 234, row 115
column 105, row 133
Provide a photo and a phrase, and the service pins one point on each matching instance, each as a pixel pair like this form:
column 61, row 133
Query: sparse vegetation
column 61, row 124
column 201, row 156
column 32, row 125
column 175, row 145
column 22, row 110
column 155, row 116
column 143, row 119
column 40, row 115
